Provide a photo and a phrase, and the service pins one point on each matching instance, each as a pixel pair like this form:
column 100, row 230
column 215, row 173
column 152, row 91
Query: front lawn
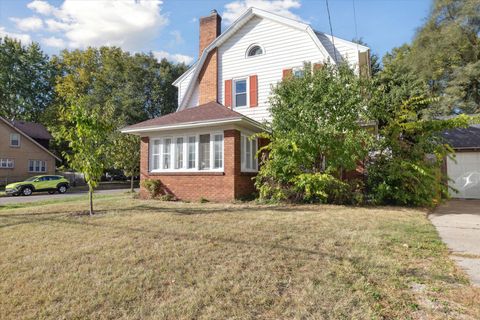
column 149, row 259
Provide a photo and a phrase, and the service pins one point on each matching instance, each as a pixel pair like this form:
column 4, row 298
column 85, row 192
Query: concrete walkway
column 458, row 223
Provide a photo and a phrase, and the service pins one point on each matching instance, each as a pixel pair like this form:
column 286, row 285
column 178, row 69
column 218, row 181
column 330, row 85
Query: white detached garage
column 464, row 169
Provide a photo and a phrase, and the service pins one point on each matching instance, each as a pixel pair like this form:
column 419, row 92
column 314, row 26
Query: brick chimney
column 210, row 29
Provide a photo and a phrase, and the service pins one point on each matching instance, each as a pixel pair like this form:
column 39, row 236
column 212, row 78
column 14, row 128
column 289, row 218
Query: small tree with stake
column 88, row 132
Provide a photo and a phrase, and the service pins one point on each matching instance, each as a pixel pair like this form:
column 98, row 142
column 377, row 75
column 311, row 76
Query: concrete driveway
column 42, row 196
column 458, row 223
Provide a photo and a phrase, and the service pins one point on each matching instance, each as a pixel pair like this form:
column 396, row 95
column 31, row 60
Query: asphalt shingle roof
column 210, row 111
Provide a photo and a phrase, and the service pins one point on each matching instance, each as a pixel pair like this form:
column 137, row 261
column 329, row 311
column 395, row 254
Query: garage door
column 465, row 173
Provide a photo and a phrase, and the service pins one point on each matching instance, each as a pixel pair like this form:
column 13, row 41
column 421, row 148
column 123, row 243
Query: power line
column 331, row 31
column 355, row 22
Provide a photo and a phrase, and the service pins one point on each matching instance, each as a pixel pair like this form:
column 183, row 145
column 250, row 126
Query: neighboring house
column 464, row 170
column 24, row 151
column 204, row 149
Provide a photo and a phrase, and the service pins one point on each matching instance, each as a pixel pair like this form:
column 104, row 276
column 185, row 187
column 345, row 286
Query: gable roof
column 11, row 125
column 32, row 129
column 203, row 115
column 234, row 27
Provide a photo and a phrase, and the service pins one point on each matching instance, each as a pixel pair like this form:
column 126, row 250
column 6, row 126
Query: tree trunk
column 90, row 194
column 131, row 183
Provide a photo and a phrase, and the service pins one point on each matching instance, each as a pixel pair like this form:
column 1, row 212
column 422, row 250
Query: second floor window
column 240, row 93
column 15, row 140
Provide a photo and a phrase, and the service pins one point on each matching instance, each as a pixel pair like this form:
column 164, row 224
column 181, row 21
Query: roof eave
column 193, row 125
column 30, row 138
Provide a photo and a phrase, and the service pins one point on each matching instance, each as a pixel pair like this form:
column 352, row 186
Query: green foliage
column 446, row 54
column 316, row 128
column 405, row 168
column 26, row 81
column 153, row 186
column 125, row 153
column 319, row 187
column 137, row 87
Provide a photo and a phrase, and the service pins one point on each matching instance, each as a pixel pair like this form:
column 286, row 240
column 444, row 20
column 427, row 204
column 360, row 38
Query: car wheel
column 51, row 191
column 62, row 189
column 27, row 191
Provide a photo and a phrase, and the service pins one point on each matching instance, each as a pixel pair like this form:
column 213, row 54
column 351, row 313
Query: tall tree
column 125, row 154
column 446, row 54
column 26, row 81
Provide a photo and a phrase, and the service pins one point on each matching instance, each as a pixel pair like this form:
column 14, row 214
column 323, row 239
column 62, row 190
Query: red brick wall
column 208, row 79
column 220, row 187
column 210, row 29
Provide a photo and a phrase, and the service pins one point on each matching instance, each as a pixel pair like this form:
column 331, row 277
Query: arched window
column 254, row 50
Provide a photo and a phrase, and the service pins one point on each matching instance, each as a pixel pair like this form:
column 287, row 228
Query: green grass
column 157, row 260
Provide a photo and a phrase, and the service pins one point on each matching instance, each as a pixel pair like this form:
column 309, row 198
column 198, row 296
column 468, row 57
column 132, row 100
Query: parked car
column 48, row 183
column 115, row 176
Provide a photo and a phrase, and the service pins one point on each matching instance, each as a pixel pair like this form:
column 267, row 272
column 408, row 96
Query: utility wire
column 331, row 32
column 355, row 21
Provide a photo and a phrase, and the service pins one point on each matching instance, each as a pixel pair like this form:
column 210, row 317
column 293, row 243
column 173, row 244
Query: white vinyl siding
column 185, row 153
column 37, row 166
column 345, row 50
column 285, row 47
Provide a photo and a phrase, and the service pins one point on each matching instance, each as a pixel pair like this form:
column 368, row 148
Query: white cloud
column 23, row 37
column 129, row 24
column 281, row 7
column 56, row 26
column 177, row 38
column 54, row 42
column 28, row 24
column 178, row 58
column 42, row 7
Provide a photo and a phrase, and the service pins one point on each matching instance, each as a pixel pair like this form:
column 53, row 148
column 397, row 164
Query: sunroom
column 203, row 152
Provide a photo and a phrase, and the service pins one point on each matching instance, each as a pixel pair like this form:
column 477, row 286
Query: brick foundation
column 214, row 186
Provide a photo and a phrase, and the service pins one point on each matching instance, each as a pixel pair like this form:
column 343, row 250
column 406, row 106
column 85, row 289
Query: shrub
column 154, row 187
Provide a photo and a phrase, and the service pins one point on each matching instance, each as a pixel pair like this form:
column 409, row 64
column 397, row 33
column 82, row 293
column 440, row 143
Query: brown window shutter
column 317, row 66
column 253, row 91
column 287, row 73
column 228, row 93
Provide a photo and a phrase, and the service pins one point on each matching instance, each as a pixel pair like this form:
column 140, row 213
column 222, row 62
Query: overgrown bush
column 316, row 134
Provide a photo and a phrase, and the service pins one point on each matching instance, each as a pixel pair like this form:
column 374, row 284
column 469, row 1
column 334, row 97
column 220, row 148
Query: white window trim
column 244, row 140
column 250, row 47
column 19, row 142
column 7, row 161
column 234, row 92
column 185, row 168
column 34, row 166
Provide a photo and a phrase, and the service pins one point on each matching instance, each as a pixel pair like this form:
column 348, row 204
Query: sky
column 169, row 28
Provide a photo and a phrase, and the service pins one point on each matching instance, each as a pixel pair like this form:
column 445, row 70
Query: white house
column 203, row 150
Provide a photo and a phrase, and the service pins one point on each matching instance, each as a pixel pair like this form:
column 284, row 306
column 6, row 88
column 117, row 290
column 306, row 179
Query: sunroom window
column 191, row 152
column 187, row 153
column 204, row 152
column 167, row 156
column 179, row 153
column 248, row 152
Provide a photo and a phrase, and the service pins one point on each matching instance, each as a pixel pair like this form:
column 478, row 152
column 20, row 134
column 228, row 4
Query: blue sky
column 169, row 28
